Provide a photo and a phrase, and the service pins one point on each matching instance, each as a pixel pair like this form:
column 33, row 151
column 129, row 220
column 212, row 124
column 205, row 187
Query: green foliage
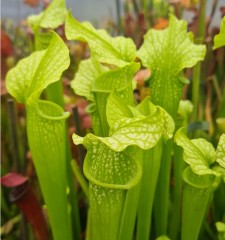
column 200, row 154
column 200, row 178
column 220, row 151
column 118, row 166
column 220, row 226
column 117, row 51
column 219, row 39
column 83, row 81
column 52, row 17
column 166, row 56
column 128, row 160
column 46, row 127
column 143, row 131
column 46, row 135
column 34, row 73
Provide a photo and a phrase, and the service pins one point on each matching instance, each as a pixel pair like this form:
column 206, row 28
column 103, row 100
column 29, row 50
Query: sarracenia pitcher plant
column 128, row 160
column 166, row 53
column 46, row 127
column 201, row 178
column 116, row 55
column 114, row 167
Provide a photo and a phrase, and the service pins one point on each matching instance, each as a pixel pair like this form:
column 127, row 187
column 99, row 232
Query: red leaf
column 6, row 45
column 13, row 180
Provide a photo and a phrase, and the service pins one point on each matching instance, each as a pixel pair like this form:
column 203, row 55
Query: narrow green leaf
column 33, row 74
column 80, row 177
column 118, row 51
column 167, row 56
column 220, row 151
column 162, row 194
column 197, row 153
column 151, row 167
column 219, row 39
column 52, row 17
column 128, row 218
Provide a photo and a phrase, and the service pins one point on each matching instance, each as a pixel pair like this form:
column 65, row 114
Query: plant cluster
column 135, row 148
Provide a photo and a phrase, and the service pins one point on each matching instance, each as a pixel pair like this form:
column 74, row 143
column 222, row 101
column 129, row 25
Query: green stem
column 178, row 163
column 89, row 227
column 80, row 178
column 129, row 214
column 196, row 196
column 151, row 166
column 72, row 196
column 161, row 203
column 195, row 90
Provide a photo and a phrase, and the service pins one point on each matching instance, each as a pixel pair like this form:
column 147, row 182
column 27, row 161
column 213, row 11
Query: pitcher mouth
column 199, row 181
column 51, row 111
column 133, row 181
